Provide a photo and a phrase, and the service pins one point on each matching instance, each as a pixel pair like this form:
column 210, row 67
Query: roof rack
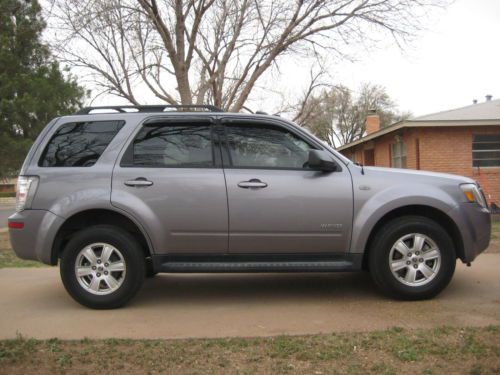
column 146, row 108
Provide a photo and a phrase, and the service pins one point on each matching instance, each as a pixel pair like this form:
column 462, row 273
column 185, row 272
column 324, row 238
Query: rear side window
column 172, row 145
column 79, row 144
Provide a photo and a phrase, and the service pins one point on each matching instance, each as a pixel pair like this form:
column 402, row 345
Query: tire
column 125, row 267
column 408, row 276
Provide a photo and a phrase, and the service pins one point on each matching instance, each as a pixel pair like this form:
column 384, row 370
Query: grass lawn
column 495, row 230
column 9, row 259
column 441, row 350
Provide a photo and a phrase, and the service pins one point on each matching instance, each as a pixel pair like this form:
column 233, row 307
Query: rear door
column 276, row 203
column 171, row 180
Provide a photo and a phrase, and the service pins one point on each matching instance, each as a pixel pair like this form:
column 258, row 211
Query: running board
column 231, row 266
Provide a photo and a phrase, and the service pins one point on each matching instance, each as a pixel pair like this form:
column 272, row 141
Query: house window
column 398, row 154
column 486, row 150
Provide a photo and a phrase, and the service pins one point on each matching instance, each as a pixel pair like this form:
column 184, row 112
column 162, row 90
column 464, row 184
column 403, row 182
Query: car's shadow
column 217, row 288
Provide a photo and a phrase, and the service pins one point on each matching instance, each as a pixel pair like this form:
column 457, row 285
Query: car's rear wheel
column 412, row 258
column 102, row 267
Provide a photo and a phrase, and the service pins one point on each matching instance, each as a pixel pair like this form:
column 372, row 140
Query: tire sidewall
column 379, row 259
column 134, row 263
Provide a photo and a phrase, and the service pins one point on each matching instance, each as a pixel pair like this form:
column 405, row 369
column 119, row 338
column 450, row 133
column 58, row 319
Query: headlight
column 473, row 194
column 26, row 187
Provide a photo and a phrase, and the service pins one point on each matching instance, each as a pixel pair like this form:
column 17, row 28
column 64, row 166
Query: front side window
column 398, row 154
column 79, row 144
column 261, row 146
column 486, row 150
column 172, row 145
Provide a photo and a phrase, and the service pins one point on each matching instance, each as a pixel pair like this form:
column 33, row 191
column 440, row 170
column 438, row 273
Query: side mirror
column 321, row 160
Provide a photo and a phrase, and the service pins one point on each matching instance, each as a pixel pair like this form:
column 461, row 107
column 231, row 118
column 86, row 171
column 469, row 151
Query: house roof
column 480, row 114
column 489, row 110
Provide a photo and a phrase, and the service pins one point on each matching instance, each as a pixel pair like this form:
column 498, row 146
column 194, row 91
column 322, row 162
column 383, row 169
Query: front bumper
column 34, row 241
column 474, row 225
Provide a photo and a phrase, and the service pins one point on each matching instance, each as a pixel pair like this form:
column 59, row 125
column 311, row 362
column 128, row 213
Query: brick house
column 463, row 141
column 8, row 185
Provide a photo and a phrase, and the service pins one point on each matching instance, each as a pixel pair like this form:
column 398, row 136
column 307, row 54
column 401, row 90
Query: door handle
column 138, row 182
column 254, row 183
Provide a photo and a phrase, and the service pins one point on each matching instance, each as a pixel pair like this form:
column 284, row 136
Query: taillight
column 16, row 225
column 26, row 187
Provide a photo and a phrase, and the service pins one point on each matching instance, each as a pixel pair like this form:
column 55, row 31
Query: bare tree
column 214, row 51
column 308, row 108
column 337, row 116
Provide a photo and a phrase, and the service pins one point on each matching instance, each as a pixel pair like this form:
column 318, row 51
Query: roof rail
column 146, row 108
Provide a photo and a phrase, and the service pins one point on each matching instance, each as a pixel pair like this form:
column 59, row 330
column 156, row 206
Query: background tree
column 337, row 115
column 215, row 51
column 32, row 88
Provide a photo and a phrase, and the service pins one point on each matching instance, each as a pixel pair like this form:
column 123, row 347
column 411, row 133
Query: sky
column 455, row 60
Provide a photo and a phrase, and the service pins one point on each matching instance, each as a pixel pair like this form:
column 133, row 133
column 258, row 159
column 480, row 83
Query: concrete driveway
column 34, row 303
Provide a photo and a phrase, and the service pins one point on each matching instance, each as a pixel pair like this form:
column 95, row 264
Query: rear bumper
column 474, row 224
column 34, row 241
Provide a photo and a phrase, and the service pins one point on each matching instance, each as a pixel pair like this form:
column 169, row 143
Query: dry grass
column 495, row 238
column 443, row 350
column 9, row 259
column 495, row 230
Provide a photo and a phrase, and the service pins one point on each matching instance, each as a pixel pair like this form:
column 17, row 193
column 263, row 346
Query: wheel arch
column 419, row 210
column 84, row 219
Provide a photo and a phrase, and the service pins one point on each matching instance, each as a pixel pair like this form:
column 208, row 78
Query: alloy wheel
column 415, row 259
column 100, row 268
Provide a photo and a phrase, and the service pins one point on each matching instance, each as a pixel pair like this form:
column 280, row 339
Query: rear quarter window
column 79, row 144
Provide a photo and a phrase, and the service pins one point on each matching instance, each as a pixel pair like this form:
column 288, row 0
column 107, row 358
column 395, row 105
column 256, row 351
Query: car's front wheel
column 412, row 258
column 102, row 267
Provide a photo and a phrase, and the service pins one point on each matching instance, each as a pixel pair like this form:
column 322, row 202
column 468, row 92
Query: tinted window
column 79, row 144
column 266, row 147
column 173, row 146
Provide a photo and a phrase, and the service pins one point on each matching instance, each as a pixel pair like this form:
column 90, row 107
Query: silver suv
column 117, row 194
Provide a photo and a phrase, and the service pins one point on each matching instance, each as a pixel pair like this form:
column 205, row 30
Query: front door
column 276, row 203
column 171, row 180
